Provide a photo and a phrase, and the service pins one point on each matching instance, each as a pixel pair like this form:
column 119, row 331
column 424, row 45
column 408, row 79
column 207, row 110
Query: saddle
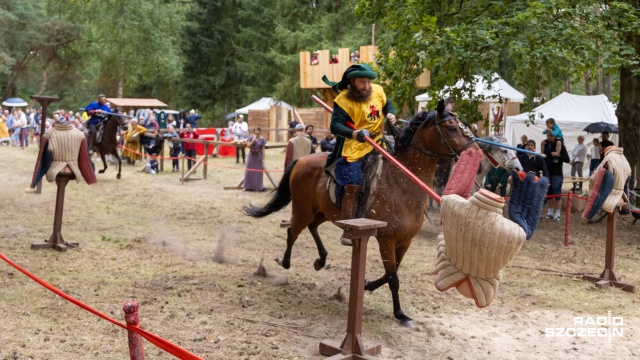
column 371, row 170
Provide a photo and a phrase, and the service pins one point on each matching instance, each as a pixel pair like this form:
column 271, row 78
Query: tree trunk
column 628, row 113
column 567, row 86
column 587, row 82
column 121, row 78
column 599, row 82
column 608, row 85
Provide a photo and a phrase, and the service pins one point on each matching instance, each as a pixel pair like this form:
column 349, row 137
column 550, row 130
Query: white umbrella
column 15, row 102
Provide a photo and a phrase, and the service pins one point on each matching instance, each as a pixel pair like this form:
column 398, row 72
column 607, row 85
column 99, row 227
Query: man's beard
column 357, row 95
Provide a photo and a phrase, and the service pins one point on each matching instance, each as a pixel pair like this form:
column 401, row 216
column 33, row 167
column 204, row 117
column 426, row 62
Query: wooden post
column 136, row 346
column 609, row 277
column 44, row 101
column 56, row 241
column 352, row 347
column 162, row 157
column 206, row 155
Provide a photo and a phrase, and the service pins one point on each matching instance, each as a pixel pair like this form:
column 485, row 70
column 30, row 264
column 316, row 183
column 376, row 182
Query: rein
column 452, row 153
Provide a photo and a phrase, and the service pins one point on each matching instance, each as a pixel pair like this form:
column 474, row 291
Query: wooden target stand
column 608, row 277
column 352, row 347
column 56, row 241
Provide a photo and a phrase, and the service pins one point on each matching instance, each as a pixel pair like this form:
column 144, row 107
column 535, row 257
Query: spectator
column 595, row 156
column 153, row 149
column 193, row 118
column 292, row 128
column 578, row 157
column 171, row 121
column 328, row 142
column 175, row 147
column 182, row 120
column 314, row 141
column 554, row 129
column 533, row 163
column 31, row 124
column 298, row 146
column 4, row 131
column 19, row 121
column 554, row 162
column 240, row 132
column 352, row 57
column 523, row 144
column 356, row 56
column 496, row 180
column 605, row 143
column 253, row 175
column 334, row 59
column 189, row 147
column 37, row 118
column 450, row 105
column 314, row 57
column 131, row 149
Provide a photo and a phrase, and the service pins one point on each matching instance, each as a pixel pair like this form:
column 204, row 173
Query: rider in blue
column 94, row 110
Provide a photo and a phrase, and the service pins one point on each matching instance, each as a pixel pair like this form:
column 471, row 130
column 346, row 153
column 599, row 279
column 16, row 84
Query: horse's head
column 437, row 133
column 506, row 158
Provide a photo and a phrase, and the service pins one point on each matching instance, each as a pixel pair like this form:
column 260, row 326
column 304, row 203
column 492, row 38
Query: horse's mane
column 422, row 119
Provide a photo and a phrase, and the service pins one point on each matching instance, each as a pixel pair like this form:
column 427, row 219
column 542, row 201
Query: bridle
column 454, row 155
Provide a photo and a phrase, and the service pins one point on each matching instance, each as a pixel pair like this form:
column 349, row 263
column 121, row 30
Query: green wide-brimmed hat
column 353, row 72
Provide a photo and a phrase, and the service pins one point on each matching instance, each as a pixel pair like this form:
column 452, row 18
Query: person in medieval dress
column 132, row 137
column 254, row 173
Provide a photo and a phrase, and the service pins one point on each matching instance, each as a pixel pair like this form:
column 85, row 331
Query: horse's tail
column 280, row 199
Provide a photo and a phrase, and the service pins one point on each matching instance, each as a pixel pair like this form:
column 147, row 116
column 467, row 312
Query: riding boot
column 348, row 206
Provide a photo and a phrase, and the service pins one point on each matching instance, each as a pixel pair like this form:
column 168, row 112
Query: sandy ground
column 188, row 255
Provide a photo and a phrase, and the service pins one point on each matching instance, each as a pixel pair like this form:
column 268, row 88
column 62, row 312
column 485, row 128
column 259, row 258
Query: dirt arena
column 188, row 255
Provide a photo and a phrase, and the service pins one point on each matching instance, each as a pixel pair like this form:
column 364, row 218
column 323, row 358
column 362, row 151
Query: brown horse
column 109, row 143
column 397, row 200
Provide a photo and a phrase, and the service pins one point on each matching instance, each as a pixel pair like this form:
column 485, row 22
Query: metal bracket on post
column 352, row 347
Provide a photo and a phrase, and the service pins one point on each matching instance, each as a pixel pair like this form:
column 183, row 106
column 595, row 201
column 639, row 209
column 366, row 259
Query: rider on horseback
column 95, row 110
column 357, row 112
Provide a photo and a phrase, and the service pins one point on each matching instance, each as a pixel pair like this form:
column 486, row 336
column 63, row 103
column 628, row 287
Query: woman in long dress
column 132, row 137
column 253, row 180
column 4, row 131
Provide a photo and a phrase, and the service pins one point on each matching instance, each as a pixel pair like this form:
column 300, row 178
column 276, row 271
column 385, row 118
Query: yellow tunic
column 132, row 138
column 4, row 132
column 365, row 115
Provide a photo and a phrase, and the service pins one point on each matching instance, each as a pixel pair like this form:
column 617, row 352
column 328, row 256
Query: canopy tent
column 491, row 92
column 571, row 112
column 263, row 104
column 136, row 103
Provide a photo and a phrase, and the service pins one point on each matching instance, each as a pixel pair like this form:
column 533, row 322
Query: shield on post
column 600, row 127
column 15, row 102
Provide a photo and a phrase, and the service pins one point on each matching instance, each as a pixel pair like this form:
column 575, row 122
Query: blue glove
column 527, row 198
column 361, row 134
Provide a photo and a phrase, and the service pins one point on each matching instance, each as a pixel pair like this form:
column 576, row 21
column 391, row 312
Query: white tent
column 263, row 104
column 491, row 92
column 571, row 112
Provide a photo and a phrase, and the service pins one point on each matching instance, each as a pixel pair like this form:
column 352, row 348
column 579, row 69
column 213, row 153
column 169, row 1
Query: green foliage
column 239, row 51
column 32, row 45
column 535, row 44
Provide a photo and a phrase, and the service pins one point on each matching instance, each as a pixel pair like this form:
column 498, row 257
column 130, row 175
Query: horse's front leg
column 115, row 153
column 394, row 286
column 104, row 163
column 322, row 252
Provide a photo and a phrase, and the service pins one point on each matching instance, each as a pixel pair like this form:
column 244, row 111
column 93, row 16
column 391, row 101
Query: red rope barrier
column 192, row 159
column 165, row 345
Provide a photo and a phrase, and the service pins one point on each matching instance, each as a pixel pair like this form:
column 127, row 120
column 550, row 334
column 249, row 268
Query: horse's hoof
column 318, row 265
column 118, row 176
column 101, row 171
column 409, row 324
column 284, row 263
